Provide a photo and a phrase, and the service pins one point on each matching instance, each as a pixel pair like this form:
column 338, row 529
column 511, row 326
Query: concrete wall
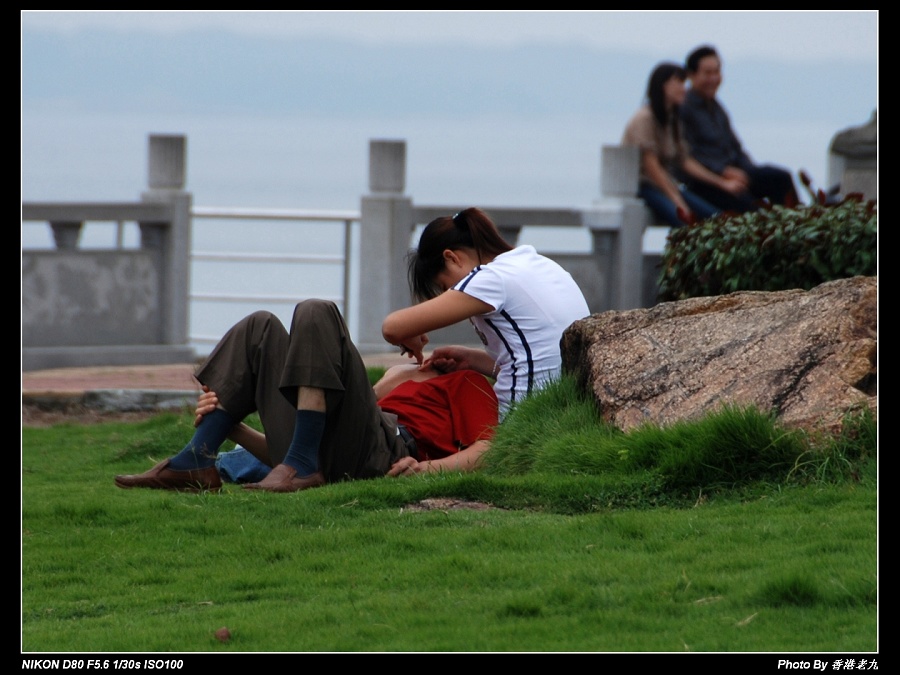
column 90, row 298
column 112, row 307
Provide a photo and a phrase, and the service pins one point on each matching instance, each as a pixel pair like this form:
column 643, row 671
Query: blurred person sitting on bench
column 713, row 143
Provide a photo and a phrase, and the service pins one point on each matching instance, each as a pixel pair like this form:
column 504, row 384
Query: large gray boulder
column 808, row 355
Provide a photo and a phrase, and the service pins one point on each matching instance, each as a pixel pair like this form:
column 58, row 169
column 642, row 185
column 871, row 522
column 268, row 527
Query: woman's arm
column 464, row 460
column 406, row 327
column 655, row 171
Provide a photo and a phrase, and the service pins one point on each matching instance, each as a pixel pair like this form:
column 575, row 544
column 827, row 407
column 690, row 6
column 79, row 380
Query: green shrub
column 772, row 249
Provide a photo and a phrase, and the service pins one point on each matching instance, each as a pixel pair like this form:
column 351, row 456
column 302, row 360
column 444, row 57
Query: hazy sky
column 794, row 35
column 94, row 83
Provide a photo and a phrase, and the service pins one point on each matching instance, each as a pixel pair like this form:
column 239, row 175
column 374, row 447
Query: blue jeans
column 665, row 208
column 239, row 466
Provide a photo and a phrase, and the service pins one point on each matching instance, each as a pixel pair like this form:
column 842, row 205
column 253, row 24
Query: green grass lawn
column 614, row 559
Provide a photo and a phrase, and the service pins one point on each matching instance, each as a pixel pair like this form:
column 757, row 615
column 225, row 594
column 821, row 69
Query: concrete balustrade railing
column 131, row 306
column 119, row 307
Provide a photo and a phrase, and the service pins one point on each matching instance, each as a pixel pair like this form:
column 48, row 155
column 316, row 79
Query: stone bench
column 620, row 167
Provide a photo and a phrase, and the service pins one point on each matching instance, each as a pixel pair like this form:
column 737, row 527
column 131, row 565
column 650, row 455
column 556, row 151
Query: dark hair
column 470, row 228
column 656, row 91
column 693, row 60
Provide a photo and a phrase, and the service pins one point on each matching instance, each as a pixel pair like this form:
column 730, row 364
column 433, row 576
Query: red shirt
column 445, row 414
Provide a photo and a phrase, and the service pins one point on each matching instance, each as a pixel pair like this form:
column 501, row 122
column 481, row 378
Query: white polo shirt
column 535, row 300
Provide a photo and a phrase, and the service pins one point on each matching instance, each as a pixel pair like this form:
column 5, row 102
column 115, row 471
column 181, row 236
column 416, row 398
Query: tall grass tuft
column 559, row 431
column 730, row 447
column 850, row 455
column 791, row 590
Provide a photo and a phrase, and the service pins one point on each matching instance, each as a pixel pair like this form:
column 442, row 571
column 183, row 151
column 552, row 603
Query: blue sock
column 303, row 455
column 201, row 451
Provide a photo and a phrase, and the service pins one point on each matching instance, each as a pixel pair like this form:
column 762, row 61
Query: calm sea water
column 323, row 164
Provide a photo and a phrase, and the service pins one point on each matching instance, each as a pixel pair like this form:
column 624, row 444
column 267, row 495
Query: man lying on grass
column 323, row 421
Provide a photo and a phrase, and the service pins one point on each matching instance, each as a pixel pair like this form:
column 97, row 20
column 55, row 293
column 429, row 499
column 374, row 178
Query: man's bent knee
column 315, row 309
column 261, row 315
column 316, row 304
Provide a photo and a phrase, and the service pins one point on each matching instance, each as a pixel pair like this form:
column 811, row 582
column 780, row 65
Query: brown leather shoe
column 284, row 478
column 160, row 477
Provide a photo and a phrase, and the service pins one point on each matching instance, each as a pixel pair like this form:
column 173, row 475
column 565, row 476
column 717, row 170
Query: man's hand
column 450, row 359
column 738, row 176
column 206, row 403
column 407, row 466
column 734, row 187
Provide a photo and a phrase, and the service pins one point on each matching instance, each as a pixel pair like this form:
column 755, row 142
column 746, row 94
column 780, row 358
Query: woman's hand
column 414, row 348
column 206, row 403
column 685, row 215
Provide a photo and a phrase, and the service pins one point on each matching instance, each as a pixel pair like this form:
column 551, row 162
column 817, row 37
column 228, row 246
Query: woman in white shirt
column 519, row 302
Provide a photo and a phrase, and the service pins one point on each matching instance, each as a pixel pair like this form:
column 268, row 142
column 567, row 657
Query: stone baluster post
column 853, row 159
column 166, row 168
column 386, row 225
column 66, row 235
column 617, row 224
